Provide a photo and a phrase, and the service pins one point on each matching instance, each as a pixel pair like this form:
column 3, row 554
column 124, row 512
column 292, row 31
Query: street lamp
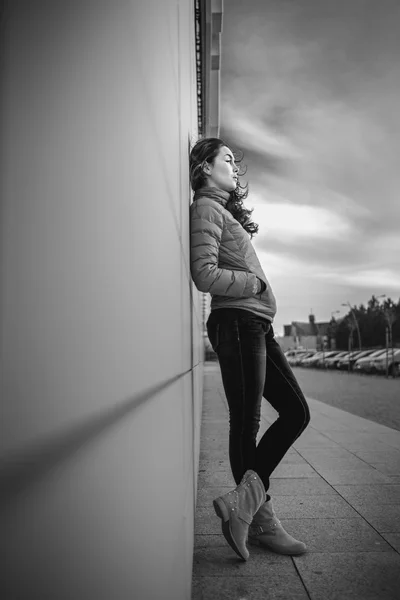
column 332, row 330
column 355, row 322
column 389, row 317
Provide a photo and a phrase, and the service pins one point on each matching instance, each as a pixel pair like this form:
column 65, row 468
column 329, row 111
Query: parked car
column 331, row 361
column 296, row 360
column 363, row 365
column 320, row 363
column 351, row 357
column 378, row 364
column 307, row 361
column 295, row 352
column 314, row 361
column 291, row 358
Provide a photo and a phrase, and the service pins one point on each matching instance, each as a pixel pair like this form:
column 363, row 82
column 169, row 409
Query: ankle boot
column 237, row 508
column 266, row 530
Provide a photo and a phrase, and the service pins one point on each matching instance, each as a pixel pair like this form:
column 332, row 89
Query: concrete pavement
column 337, row 489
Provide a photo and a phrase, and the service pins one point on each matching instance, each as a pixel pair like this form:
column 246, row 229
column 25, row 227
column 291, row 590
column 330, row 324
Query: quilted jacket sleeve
column 207, row 225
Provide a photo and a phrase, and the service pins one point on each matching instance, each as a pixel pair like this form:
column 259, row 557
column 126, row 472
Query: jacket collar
column 214, row 193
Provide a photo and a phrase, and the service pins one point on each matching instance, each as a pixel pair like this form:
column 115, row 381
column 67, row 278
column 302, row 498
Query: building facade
column 310, row 336
column 101, row 327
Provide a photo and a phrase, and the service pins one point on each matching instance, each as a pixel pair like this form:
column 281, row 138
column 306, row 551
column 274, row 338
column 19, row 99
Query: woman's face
column 223, row 173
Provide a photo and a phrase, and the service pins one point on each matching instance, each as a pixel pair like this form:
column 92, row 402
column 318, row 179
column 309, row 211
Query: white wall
column 98, row 105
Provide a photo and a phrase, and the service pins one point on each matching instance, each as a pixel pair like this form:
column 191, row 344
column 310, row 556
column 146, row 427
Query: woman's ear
column 206, row 167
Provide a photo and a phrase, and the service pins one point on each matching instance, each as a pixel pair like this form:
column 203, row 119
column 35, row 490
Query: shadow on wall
column 19, row 471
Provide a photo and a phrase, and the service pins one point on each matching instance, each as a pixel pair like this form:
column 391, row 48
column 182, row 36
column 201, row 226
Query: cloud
column 310, row 95
column 316, row 105
column 383, row 277
column 291, row 222
column 259, row 137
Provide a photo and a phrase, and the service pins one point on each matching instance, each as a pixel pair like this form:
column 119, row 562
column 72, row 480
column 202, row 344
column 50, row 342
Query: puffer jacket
column 223, row 261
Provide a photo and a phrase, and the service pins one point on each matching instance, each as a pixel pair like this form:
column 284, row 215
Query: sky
column 310, row 93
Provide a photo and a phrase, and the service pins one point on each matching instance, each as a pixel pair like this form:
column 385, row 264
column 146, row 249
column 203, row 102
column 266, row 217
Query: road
column 370, row 396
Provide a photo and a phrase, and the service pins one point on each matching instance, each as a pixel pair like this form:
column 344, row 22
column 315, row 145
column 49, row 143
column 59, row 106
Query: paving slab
column 214, row 464
column 361, row 495
column 393, row 539
column 364, row 445
column 378, row 456
column 351, row 575
column 214, row 557
column 208, row 437
column 350, row 462
column 220, row 452
column 362, row 441
column 310, row 486
column 360, row 436
column 294, row 470
column 212, row 428
column 384, row 518
column 312, row 435
column 336, row 535
column 281, row 584
column 332, row 452
column 353, row 476
column 215, row 478
column 392, row 439
column 312, row 507
column 207, row 522
column 206, row 494
column 324, row 424
column 293, row 458
column 390, row 467
column 315, row 442
column 214, row 444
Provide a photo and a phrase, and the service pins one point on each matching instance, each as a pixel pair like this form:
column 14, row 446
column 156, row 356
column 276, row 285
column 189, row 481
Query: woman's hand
column 261, row 287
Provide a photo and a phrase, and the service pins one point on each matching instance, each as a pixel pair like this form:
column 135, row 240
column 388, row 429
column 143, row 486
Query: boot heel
column 220, row 509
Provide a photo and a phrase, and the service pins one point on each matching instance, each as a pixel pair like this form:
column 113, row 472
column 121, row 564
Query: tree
column 372, row 321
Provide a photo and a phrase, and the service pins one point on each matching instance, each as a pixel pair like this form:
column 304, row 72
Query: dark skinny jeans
column 253, row 366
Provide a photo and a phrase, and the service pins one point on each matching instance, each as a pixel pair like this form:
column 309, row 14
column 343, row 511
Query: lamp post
column 389, row 317
column 332, row 330
column 355, row 322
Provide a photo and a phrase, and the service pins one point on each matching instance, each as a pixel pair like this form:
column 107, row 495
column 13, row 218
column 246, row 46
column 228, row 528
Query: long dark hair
column 205, row 150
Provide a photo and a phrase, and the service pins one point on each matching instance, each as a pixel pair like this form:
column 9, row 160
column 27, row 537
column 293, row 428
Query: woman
column 224, row 263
